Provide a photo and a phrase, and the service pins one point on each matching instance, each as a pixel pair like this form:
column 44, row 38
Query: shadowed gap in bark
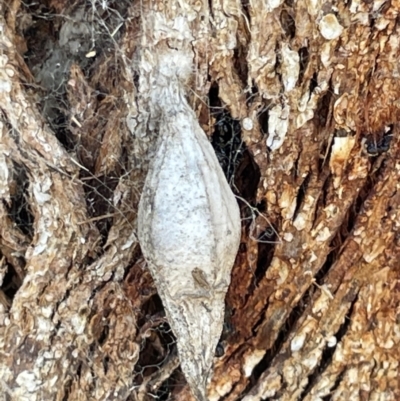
column 328, row 352
column 19, row 209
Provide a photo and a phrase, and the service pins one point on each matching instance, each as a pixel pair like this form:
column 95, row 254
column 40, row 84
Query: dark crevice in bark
column 214, row 102
column 304, row 56
column 60, row 125
column 50, row 67
column 19, row 211
column 365, row 192
column 163, row 393
column 251, row 94
column 335, row 386
column 266, row 247
column 296, row 169
column 67, row 389
column 58, row 36
column 129, row 278
column 263, row 120
column 346, row 228
column 351, row 217
column 245, row 9
column 156, row 341
column 219, row 350
column 313, row 82
column 239, row 55
column 273, row 354
column 247, row 177
column 153, row 306
column 156, row 346
column 228, row 329
column 78, row 368
column 327, row 184
column 327, row 354
column 103, row 335
column 210, row 8
column 301, row 193
column 278, row 64
column 378, row 143
column 99, row 200
column 105, row 362
column 241, row 51
column 287, row 22
column 175, row 383
column 227, row 142
column 322, row 112
column 11, row 282
column 329, row 262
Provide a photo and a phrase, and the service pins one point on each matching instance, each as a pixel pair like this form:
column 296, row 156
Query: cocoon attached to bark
column 189, row 230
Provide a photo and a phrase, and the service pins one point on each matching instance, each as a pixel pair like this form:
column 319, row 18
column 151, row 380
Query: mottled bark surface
column 301, row 102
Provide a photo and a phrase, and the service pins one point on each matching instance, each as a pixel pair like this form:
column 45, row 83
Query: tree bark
column 301, row 103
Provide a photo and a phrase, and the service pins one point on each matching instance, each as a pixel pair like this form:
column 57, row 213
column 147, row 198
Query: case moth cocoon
column 189, row 230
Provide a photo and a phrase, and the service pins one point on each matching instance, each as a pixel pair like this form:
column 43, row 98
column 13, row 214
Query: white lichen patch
column 341, row 150
column 78, row 324
column 41, row 190
column 5, row 85
column 300, row 221
column 247, row 124
column 4, row 176
column 323, row 235
column 27, row 381
column 251, row 361
column 290, row 67
column 288, row 237
column 329, row 27
column 278, row 125
column 221, row 390
column 288, row 203
column 332, row 341
column 298, row 342
column 311, row 361
column 272, row 4
column 313, row 6
column 374, row 251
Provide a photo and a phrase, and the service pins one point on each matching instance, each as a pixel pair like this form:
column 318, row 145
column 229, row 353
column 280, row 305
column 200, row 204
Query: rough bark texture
column 301, row 102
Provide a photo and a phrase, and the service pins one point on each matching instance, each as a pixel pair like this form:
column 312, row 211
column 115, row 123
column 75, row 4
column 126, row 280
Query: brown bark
column 301, row 102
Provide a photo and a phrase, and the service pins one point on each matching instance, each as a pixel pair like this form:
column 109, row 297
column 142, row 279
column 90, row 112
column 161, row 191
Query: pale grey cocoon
column 189, row 230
